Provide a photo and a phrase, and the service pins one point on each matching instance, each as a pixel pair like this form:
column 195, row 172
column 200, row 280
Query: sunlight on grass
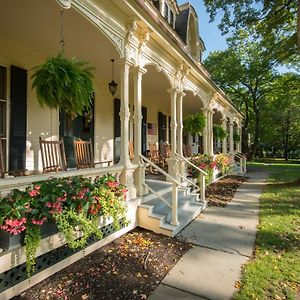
column 274, row 273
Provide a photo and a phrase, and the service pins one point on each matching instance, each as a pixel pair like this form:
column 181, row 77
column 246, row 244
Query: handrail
column 203, row 174
column 190, row 163
column 175, row 185
column 157, row 195
column 160, row 170
column 189, row 181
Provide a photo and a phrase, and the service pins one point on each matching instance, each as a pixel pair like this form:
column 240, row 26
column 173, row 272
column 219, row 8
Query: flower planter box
column 48, row 228
column 9, row 241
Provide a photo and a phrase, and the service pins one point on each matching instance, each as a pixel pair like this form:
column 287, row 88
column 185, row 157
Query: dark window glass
column 2, row 83
column 171, row 18
column 156, row 4
column 166, row 12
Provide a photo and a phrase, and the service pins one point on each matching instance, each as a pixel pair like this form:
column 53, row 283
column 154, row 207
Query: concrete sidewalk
column 224, row 240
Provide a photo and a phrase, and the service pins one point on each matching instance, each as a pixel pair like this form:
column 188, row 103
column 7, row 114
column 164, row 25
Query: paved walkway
column 224, row 240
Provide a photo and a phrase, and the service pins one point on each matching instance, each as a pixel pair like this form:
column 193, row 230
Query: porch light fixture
column 113, row 85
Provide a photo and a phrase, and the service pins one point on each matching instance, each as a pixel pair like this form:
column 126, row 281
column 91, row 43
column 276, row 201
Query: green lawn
column 274, row 273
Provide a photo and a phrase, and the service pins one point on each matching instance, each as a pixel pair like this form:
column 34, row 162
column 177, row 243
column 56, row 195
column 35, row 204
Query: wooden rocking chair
column 131, row 151
column 164, row 153
column 53, row 155
column 84, row 155
column 187, row 150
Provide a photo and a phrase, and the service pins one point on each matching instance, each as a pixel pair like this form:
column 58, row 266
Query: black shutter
column 144, row 131
column 117, row 130
column 18, row 118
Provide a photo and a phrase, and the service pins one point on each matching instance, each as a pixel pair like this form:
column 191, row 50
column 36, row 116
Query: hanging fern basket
column 65, row 84
column 219, row 132
column 194, row 123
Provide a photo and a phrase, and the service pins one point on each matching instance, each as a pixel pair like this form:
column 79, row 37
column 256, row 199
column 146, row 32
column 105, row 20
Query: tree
column 281, row 130
column 244, row 71
column 277, row 22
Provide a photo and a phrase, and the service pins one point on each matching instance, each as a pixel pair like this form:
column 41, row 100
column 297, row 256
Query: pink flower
column 112, row 184
column 37, row 187
column 14, row 226
column 34, row 193
column 39, row 222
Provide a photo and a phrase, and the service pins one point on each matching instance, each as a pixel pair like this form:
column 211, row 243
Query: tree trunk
column 245, row 145
column 286, row 138
column 256, row 133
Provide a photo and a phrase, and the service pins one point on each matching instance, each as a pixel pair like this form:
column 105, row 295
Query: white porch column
column 180, row 122
column 231, row 137
column 172, row 162
column 126, row 177
column 139, row 175
column 224, row 141
column 211, row 134
column 205, row 132
column 182, row 166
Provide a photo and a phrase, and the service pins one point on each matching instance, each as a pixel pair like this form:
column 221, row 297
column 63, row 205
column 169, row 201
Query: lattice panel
column 18, row 274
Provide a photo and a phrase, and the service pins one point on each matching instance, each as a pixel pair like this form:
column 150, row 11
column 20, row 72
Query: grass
column 274, row 273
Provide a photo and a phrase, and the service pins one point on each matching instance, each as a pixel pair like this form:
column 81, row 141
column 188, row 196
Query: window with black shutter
column 18, row 118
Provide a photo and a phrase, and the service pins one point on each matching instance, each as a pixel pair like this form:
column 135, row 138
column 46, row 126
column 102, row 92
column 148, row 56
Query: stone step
column 155, row 215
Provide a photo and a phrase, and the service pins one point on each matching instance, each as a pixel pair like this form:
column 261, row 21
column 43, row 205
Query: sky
column 209, row 32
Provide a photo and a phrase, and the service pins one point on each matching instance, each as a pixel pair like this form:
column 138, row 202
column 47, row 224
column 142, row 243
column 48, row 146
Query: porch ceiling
column 191, row 103
column 35, row 25
column 154, row 90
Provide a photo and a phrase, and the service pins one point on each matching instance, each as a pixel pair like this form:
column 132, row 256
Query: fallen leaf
column 84, row 296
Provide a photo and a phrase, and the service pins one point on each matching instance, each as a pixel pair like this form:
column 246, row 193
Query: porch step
column 155, row 215
column 234, row 169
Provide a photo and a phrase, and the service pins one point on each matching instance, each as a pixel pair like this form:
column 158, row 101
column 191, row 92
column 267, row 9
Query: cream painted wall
column 44, row 122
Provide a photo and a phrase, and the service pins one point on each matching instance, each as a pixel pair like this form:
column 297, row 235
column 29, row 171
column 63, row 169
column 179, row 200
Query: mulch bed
column 222, row 191
column 130, row 267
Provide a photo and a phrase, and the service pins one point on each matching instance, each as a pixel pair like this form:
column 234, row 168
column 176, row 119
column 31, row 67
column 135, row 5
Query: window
column 171, row 18
column 167, row 12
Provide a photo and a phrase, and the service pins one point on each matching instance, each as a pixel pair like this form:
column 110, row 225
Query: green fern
column 194, row 123
column 65, row 84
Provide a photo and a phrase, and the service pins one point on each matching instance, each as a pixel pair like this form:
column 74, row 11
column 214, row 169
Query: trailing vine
column 32, row 241
column 68, row 220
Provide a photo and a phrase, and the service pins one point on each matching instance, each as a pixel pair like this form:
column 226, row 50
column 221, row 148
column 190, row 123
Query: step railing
column 242, row 161
column 175, row 185
column 202, row 176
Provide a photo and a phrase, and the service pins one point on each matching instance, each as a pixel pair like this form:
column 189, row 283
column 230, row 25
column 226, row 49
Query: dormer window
column 169, row 15
column 168, row 9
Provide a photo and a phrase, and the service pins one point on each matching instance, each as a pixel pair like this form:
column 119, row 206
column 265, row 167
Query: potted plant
column 65, row 84
column 205, row 163
column 236, row 137
column 194, row 123
column 222, row 162
column 73, row 203
column 219, row 132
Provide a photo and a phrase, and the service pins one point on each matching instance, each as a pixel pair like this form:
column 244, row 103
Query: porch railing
column 202, row 176
column 242, row 161
column 7, row 184
column 175, row 185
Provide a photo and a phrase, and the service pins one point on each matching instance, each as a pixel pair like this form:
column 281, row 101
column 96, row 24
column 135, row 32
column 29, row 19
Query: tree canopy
column 276, row 22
